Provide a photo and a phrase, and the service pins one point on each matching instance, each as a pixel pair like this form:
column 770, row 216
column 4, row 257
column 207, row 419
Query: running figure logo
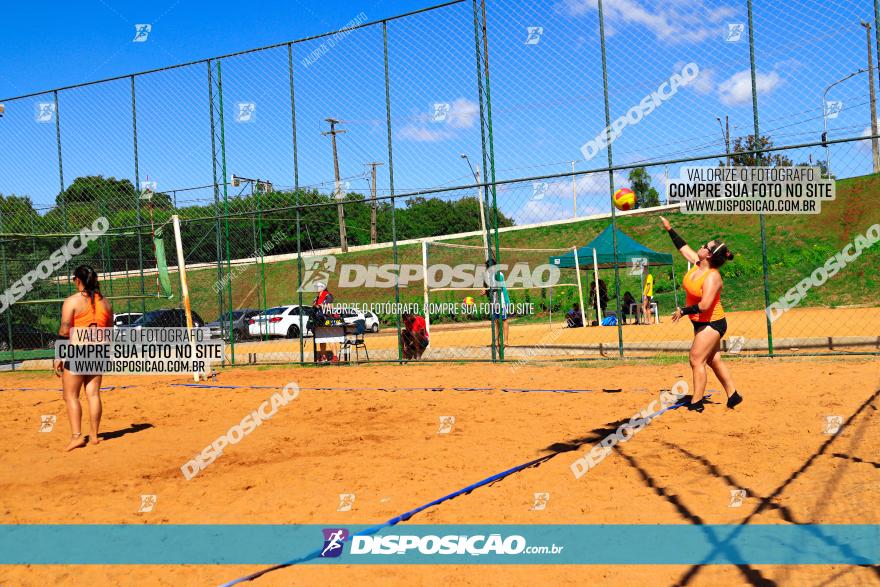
column 47, row 422
column 446, row 424
column 737, row 496
column 142, row 32
column 44, row 111
column 833, row 424
column 534, row 34
column 441, row 109
column 346, row 501
column 148, row 502
column 333, row 542
column 734, row 32
column 318, row 270
column 540, row 502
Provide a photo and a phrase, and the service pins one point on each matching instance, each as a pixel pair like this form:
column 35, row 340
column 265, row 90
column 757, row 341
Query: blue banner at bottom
column 440, row 544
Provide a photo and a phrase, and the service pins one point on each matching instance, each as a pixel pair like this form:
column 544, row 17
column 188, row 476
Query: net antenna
column 508, row 254
column 184, row 289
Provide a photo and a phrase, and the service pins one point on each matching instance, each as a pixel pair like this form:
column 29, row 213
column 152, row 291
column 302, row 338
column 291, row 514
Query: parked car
column 351, row 316
column 372, row 321
column 286, row 321
column 126, row 318
column 25, row 336
column 172, row 318
column 220, row 326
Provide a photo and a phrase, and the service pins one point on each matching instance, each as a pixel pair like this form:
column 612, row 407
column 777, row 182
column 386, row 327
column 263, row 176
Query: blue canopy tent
column 599, row 253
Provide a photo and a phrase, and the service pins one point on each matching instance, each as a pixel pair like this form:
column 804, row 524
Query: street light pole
column 825, row 117
column 725, row 136
column 476, row 174
column 875, row 149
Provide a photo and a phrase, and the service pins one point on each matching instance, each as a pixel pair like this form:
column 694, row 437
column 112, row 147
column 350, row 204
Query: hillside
column 795, row 246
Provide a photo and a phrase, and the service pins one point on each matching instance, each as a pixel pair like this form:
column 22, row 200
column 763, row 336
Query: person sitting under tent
column 603, row 299
column 628, row 303
column 573, row 318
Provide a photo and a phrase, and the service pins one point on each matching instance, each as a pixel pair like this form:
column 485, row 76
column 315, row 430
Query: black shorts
column 720, row 326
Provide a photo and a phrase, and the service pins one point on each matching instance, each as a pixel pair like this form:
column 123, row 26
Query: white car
column 286, row 321
column 372, row 321
column 369, row 318
column 125, row 318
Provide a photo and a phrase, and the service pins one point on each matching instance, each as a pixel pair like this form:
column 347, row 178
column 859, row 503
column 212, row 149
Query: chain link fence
column 390, row 160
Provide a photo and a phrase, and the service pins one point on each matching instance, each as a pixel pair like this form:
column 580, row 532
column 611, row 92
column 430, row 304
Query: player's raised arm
column 683, row 248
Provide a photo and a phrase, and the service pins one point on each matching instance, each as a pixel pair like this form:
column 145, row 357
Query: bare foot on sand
column 76, row 441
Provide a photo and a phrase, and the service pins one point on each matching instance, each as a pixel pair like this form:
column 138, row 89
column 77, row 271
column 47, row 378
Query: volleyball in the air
column 624, row 199
column 469, row 301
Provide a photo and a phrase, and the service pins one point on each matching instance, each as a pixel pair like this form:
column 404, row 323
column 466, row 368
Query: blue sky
column 546, row 94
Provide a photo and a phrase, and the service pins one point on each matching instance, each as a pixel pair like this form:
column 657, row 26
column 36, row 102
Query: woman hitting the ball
column 703, row 286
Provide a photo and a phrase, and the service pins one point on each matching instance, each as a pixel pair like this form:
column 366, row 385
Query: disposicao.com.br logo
column 463, row 275
column 450, row 544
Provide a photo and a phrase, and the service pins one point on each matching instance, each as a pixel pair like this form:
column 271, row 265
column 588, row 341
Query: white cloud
column 462, row 113
column 704, row 84
column 423, row 134
column 674, row 21
column 737, row 89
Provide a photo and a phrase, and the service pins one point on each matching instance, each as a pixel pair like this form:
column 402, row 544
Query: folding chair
column 356, row 340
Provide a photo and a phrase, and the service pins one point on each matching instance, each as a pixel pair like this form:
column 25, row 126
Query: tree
column 97, row 190
column 646, row 194
column 742, row 158
column 821, row 164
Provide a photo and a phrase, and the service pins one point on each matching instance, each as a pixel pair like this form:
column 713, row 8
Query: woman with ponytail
column 84, row 309
column 703, row 286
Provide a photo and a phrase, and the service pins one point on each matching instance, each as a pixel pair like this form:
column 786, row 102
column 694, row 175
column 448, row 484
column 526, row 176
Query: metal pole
column 218, row 254
column 340, row 208
column 425, row 285
column 758, row 161
column 391, row 181
column 184, row 289
column 137, row 184
column 296, row 197
column 225, row 198
column 875, row 151
column 61, row 177
column 574, row 191
column 610, row 181
column 577, row 268
column 478, row 63
column 491, row 169
column 9, row 309
column 596, row 284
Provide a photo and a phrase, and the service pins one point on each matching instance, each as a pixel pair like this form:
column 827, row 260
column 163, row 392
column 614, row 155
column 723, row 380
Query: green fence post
column 610, row 180
column 501, row 311
column 217, row 246
column 137, row 185
column 485, row 155
column 9, row 309
column 391, row 183
column 296, row 199
column 61, row 181
column 758, row 162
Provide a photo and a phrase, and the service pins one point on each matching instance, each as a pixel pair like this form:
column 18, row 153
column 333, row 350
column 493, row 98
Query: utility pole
column 875, row 149
column 373, row 231
column 343, row 239
column 574, row 190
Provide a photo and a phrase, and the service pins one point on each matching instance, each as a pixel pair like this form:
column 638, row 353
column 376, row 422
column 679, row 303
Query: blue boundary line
column 406, row 516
